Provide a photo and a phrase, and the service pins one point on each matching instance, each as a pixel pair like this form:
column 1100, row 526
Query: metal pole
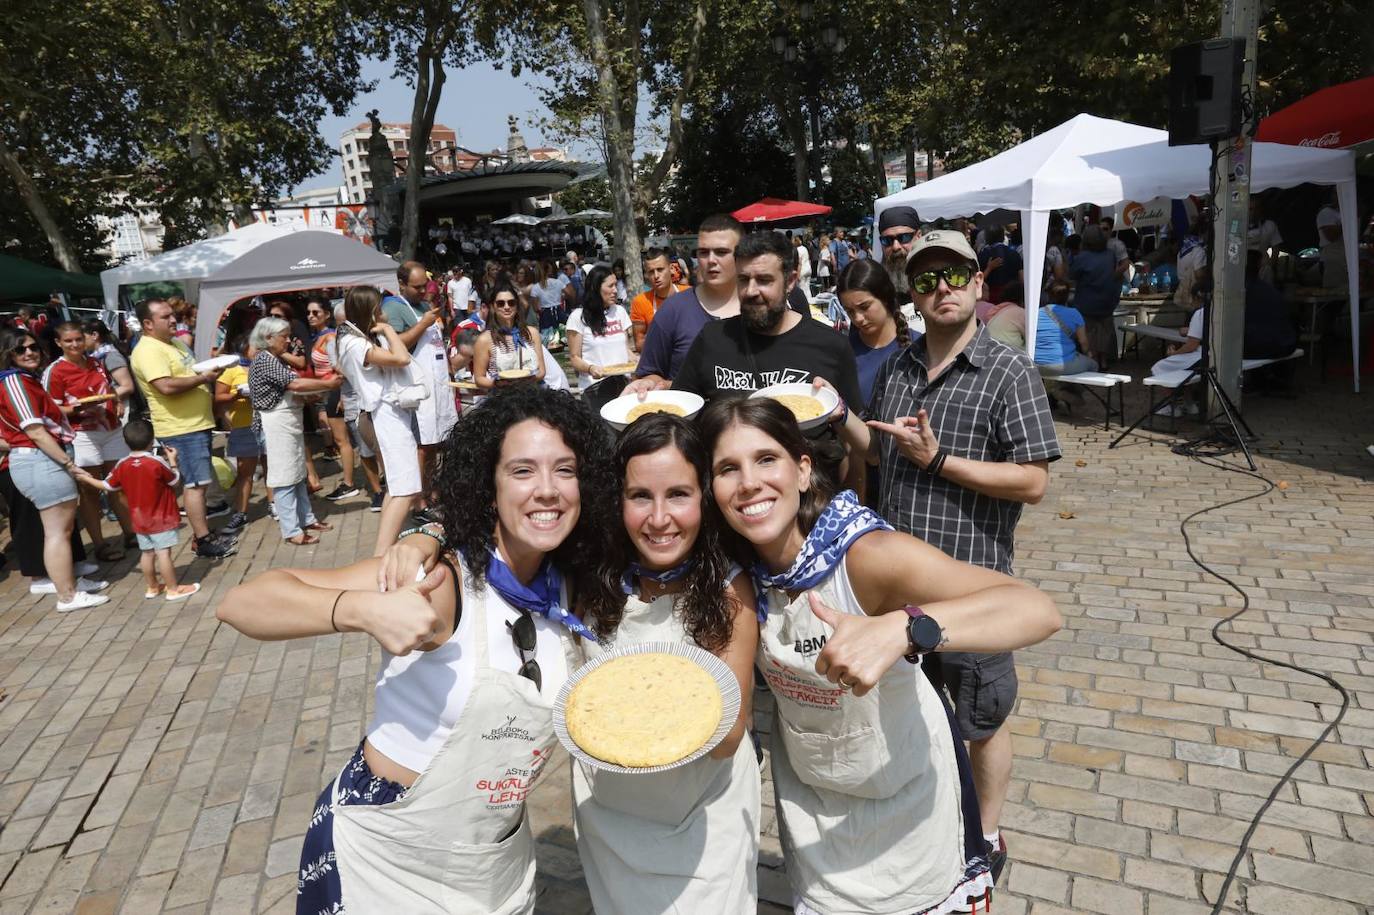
column 1239, row 19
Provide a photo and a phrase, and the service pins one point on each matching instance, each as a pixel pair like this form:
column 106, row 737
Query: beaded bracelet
column 425, row 529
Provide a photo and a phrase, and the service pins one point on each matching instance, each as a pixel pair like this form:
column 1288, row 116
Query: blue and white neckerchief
column 842, row 522
column 543, row 595
column 636, row 571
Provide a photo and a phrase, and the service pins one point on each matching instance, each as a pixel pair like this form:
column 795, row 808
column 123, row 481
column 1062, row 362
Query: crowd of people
column 876, row 553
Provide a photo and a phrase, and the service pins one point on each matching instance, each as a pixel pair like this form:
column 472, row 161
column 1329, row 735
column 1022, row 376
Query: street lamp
column 779, row 39
column 830, row 34
column 805, row 9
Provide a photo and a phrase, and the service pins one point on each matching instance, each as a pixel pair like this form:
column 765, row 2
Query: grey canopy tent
column 288, row 263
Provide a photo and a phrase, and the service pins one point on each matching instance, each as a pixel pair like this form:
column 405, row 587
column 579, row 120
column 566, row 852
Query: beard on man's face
column 760, row 315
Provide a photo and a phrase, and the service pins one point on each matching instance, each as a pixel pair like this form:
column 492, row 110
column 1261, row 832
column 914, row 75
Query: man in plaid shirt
column 966, row 439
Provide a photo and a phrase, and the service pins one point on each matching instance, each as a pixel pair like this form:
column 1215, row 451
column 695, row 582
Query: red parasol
column 1336, row 117
column 772, row 209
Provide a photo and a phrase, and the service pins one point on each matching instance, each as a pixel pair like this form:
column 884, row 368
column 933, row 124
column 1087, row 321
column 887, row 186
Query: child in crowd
column 146, row 481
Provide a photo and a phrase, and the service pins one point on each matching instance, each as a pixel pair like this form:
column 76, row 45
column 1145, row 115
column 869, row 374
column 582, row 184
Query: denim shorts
column 162, row 540
column 243, row 443
column 193, row 457
column 41, row 479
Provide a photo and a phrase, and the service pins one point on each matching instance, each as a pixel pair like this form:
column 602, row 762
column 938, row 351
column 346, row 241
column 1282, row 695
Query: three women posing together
column 726, row 539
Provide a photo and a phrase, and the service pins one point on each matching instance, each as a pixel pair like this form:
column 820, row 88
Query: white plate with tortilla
column 214, row 363
column 689, row 682
column 811, row 407
column 626, row 409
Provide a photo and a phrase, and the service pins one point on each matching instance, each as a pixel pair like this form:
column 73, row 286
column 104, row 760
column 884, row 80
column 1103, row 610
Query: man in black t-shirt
column 768, row 343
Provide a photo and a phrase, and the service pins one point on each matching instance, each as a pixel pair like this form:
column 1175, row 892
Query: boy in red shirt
column 146, row 481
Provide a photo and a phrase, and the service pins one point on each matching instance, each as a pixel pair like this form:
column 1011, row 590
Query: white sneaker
column 86, row 567
column 80, row 601
column 46, row 586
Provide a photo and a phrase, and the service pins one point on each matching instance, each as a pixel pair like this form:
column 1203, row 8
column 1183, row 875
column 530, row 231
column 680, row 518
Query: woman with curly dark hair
column 471, row 709
column 874, row 793
column 685, row 840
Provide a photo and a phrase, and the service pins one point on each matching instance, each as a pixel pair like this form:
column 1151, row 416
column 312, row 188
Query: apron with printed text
column 683, row 841
column 459, row 841
column 868, row 787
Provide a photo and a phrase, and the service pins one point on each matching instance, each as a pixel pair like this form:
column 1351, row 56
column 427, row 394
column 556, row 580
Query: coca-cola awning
column 1337, row 117
column 773, row 209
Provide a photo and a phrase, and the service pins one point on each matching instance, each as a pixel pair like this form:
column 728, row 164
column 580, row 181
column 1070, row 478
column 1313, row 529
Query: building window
column 348, row 149
column 353, row 180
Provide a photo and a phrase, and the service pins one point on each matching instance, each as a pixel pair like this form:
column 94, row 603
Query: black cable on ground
column 1208, row 458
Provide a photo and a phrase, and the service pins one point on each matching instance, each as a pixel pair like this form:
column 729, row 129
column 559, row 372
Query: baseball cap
column 946, row 239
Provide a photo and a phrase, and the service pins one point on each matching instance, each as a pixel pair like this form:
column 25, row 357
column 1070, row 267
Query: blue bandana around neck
column 542, row 596
column 636, row 571
column 842, row 522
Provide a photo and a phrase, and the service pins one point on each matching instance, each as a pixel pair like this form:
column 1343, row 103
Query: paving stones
column 153, row 760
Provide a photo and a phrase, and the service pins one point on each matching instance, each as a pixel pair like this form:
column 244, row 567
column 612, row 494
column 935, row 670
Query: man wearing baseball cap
column 967, row 439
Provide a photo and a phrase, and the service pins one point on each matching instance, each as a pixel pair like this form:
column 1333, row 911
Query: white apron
column 867, row 786
column 684, row 841
column 437, row 413
column 283, row 436
column 459, row 841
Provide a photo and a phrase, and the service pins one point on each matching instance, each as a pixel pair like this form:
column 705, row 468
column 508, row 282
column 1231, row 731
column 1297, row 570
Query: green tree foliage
column 730, row 159
column 196, row 107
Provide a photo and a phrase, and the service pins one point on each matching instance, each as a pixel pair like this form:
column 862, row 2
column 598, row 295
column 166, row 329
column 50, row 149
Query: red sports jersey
column 65, row 380
column 146, row 481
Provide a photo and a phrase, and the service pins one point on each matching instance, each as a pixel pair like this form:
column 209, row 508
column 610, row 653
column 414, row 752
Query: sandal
column 181, row 592
column 319, row 526
column 302, row 540
column 108, row 552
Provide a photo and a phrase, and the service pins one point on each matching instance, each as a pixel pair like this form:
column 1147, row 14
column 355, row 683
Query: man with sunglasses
column 898, row 229
column 966, row 439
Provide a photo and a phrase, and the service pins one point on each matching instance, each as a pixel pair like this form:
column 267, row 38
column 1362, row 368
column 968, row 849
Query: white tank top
column 420, row 696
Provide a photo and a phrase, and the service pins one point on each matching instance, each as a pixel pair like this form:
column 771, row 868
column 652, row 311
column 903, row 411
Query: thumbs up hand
column 861, row 648
column 404, row 620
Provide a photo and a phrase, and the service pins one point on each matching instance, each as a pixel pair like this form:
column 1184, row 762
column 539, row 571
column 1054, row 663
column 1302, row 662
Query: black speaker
column 1204, row 90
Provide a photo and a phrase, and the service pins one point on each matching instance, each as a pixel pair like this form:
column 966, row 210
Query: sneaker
column 237, row 522
column 83, row 584
column 998, row 858
column 342, row 491
column 218, row 510
column 80, row 601
column 424, row 516
column 211, row 548
column 377, row 498
column 85, row 567
column 272, row 508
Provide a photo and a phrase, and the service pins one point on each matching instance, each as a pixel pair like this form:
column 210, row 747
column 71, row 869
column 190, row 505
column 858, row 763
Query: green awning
column 26, row 281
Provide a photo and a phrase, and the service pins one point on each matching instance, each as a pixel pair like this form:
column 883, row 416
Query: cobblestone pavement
column 153, row 760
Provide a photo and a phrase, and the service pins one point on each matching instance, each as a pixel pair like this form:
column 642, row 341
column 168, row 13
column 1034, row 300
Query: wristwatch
column 922, row 633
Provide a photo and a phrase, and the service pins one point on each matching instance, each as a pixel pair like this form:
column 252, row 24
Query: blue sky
column 475, row 102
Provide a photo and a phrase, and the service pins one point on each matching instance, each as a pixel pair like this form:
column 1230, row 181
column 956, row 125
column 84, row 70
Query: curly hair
column 707, row 608
column 465, row 480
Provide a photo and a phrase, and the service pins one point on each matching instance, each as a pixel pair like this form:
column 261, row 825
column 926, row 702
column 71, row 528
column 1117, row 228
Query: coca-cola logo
column 1329, row 140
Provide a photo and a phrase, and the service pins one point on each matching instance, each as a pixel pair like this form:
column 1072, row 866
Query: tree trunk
column 817, row 175
column 910, row 160
column 612, row 100
column 62, row 249
column 429, row 86
column 794, row 123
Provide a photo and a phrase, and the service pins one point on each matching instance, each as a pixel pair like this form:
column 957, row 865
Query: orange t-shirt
column 647, row 304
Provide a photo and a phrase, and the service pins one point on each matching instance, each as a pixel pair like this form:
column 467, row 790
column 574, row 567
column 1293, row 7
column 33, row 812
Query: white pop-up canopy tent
column 295, row 261
column 189, row 264
column 1099, row 161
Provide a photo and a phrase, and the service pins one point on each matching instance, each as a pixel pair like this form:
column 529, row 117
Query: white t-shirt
column 611, row 348
column 367, row 380
column 460, row 293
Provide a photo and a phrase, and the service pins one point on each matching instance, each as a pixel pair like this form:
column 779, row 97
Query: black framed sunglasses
column 957, row 277
column 901, row 237
column 523, row 634
column 26, row 348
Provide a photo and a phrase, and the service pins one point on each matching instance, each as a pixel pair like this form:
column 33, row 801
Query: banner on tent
column 1136, row 215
